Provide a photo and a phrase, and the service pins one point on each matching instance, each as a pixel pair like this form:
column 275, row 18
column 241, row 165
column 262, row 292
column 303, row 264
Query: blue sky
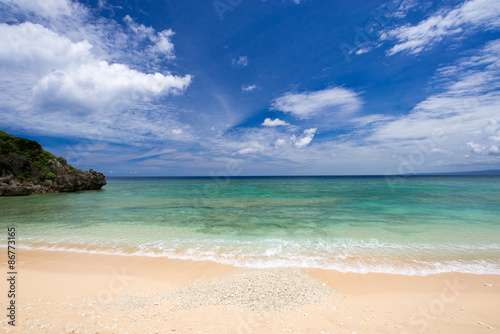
column 240, row 87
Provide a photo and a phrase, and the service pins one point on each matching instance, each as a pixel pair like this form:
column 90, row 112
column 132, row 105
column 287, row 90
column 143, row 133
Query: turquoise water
column 417, row 225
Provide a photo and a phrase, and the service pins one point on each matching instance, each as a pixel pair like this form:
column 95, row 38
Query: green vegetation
column 26, row 159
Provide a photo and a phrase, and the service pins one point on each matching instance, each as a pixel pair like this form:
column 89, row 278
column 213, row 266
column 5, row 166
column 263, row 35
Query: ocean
column 411, row 225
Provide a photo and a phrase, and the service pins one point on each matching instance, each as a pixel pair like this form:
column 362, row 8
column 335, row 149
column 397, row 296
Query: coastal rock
column 14, row 189
column 67, row 180
column 25, row 168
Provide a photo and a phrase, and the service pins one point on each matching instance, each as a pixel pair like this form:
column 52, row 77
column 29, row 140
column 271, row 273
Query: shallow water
column 417, row 225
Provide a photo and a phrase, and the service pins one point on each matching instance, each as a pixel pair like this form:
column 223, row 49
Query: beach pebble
column 480, row 323
column 486, row 284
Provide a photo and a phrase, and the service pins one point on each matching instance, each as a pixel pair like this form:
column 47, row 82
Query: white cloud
column 249, row 88
column 275, row 122
column 372, row 119
column 242, row 61
column 433, row 136
column 252, row 148
column 34, row 47
column 483, row 14
column 49, row 9
column 138, row 46
column 98, row 84
column 71, row 77
column 363, row 50
column 493, row 150
column 309, row 104
column 65, row 73
column 483, row 150
column 161, row 43
column 460, row 120
column 305, row 139
column 279, row 142
column 476, row 148
column 492, row 130
column 404, row 7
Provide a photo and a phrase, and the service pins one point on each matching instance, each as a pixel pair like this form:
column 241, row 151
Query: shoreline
column 70, row 292
column 396, row 265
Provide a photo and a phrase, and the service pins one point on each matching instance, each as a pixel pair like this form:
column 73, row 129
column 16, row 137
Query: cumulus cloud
column 249, row 88
column 138, row 46
column 57, row 82
column 34, row 47
column 275, row 122
column 71, row 77
column 309, row 104
column 98, row 84
column 473, row 14
column 474, row 147
column 241, row 61
column 492, row 130
column 483, row 150
column 279, row 142
column 161, row 41
column 305, row 139
column 493, row 150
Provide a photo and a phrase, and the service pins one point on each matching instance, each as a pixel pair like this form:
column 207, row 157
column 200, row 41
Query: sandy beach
column 69, row 292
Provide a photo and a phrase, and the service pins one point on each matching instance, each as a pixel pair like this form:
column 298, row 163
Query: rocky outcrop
column 26, row 169
column 68, row 179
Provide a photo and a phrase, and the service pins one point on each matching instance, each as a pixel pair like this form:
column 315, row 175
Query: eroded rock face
column 68, row 179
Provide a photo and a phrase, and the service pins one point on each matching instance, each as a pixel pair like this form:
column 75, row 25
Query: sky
column 241, row 87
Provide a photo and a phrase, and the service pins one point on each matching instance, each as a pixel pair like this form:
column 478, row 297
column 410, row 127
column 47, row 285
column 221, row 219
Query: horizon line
column 467, row 173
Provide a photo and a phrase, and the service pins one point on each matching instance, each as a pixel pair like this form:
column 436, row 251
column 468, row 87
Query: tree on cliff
column 15, row 161
column 25, row 159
